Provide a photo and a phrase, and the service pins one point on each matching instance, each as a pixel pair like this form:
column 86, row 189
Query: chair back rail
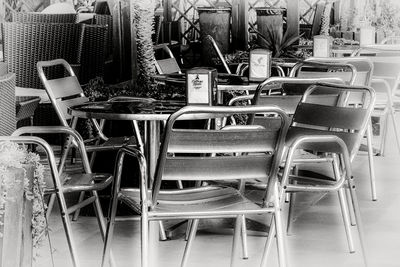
column 341, row 119
column 205, row 154
column 380, row 50
column 363, row 66
column 63, row 92
column 307, row 69
column 37, row 17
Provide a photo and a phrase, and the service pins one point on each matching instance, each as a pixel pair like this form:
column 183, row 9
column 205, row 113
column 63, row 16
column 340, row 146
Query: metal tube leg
column 280, row 238
column 346, row 219
column 163, row 236
column 188, row 228
column 76, row 213
column 144, row 238
column 101, row 222
column 292, row 200
column 67, row 228
column 236, row 237
column 360, row 226
column 50, row 205
column 271, row 236
column 189, row 243
column 245, row 253
column 138, row 136
column 110, row 230
column 371, row 162
column 384, row 128
column 350, row 207
column 396, row 132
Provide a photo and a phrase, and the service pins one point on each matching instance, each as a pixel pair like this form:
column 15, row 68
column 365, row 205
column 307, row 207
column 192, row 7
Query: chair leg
column 360, row 226
column 396, row 131
column 139, row 139
column 236, row 237
column 292, row 200
column 144, row 240
column 110, row 230
column 50, row 205
column 101, row 222
column 268, row 243
column 189, row 243
column 67, row 228
column 384, row 128
column 76, row 213
column 245, row 253
column 350, row 207
column 163, row 236
column 346, row 219
column 371, row 162
column 280, row 237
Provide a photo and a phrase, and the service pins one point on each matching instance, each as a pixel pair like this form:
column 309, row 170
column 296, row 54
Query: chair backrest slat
column 329, row 116
column 342, row 119
column 221, row 168
column 64, row 87
column 199, row 141
column 344, row 75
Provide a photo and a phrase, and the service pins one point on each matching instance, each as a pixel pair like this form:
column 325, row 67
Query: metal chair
column 319, row 125
column 385, row 81
column 166, row 65
column 306, row 69
column 379, row 50
column 65, row 92
column 78, row 182
column 354, row 71
column 255, row 153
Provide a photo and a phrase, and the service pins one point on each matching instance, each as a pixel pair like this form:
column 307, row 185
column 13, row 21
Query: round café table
column 151, row 111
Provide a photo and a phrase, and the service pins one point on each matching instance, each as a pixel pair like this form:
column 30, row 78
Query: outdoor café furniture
column 66, row 91
column 168, row 64
column 318, row 125
column 385, row 80
column 77, row 182
column 363, row 74
column 254, row 153
column 7, row 103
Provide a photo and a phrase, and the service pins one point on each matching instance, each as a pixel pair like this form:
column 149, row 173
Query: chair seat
column 85, row 182
column 203, row 200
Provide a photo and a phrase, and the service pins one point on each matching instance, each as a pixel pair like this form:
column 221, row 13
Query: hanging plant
column 12, row 156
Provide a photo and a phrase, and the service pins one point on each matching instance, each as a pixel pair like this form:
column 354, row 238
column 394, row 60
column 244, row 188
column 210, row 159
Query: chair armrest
column 136, row 153
column 315, row 139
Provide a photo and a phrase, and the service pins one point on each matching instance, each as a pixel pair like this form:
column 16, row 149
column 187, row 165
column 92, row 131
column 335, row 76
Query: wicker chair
column 36, row 17
column 7, row 104
column 106, row 20
column 27, row 43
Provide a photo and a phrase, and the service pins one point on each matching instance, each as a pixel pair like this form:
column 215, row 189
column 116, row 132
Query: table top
column 128, row 109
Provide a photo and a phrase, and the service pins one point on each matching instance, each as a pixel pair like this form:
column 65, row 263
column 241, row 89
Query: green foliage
column 279, row 46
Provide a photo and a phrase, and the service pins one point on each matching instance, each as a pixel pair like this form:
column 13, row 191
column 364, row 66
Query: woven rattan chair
column 259, row 151
column 7, row 104
column 329, row 125
column 77, row 182
column 106, row 20
column 37, row 17
column 27, row 43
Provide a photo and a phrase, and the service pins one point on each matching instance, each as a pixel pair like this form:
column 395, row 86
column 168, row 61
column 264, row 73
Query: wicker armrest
column 26, row 106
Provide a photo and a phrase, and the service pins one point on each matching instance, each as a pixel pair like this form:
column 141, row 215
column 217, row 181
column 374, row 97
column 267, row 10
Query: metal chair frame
column 158, row 204
column 85, row 182
column 65, row 92
column 362, row 69
column 385, row 80
column 327, row 132
column 166, row 65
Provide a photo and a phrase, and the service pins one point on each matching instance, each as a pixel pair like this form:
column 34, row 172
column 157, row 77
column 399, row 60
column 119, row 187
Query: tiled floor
column 318, row 237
